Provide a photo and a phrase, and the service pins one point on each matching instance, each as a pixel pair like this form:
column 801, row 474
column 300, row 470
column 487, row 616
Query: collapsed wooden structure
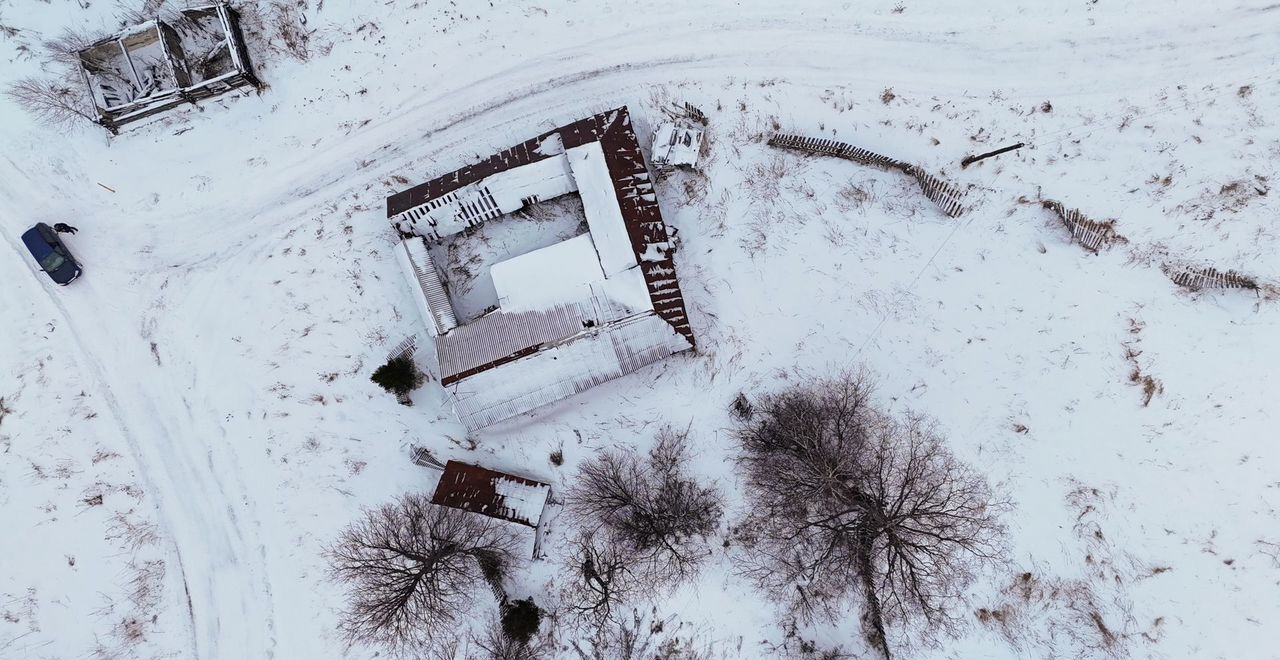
column 196, row 53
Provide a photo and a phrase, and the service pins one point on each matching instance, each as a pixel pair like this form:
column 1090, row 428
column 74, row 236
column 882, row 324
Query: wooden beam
column 973, row 159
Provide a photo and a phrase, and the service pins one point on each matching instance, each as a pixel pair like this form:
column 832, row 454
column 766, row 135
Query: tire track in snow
column 817, row 52
column 223, row 599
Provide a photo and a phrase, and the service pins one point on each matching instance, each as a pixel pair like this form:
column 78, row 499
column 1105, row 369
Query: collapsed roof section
column 571, row 315
column 195, row 54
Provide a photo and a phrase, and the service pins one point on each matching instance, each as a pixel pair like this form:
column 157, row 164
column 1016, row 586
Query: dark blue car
column 54, row 257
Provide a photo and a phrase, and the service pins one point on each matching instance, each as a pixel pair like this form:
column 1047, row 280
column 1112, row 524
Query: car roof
column 36, row 242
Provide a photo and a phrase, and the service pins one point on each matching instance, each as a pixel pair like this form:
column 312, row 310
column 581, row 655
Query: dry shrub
column 50, row 101
column 1053, row 617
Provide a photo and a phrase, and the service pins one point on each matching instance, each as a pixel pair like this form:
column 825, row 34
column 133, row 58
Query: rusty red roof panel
column 491, row 493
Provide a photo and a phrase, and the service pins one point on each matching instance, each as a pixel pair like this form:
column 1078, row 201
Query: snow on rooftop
column 563, row 370
column 491, row 493
column 540, row 279
column 677, row 144
column 505, row 192
column 622, row 295
column 551, row 145
column 538, row 181
column 433, row 303
column 521, row 499
column 600, row 202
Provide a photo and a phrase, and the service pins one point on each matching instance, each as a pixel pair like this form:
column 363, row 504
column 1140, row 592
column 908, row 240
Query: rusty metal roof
column 491, row 493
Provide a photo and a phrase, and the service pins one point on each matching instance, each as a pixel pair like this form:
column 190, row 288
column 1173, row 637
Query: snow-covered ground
column 207, row 377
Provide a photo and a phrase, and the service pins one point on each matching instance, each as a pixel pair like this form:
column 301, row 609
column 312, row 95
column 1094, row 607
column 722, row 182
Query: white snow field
column 186, row 426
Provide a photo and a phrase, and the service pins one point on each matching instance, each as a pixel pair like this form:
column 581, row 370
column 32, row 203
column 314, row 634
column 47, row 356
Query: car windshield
column 52, row 262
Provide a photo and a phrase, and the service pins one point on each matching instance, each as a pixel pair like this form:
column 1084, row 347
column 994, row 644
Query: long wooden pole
column 973, row 159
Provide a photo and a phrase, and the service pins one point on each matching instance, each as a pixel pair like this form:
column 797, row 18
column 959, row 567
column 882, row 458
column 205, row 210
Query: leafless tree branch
column 412, row 569
column 50, row 101
column 848, row 501
column 651, row 508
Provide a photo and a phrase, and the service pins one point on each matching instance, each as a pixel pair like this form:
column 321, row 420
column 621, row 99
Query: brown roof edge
column 575, row 133
column 633, row 184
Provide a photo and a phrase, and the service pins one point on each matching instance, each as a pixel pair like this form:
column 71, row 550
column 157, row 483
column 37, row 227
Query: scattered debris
column 404, row 349
column 947, row 196
column 423, row 457
column 1090, row 234
column 676, row 144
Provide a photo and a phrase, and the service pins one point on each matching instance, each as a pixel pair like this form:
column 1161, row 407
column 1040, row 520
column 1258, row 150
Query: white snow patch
column 563, row 272
column 600, row 202
column 523, row 501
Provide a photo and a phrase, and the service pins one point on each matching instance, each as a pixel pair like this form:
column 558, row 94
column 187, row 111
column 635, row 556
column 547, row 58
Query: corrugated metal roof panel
column 495, row 336
column 558, row 372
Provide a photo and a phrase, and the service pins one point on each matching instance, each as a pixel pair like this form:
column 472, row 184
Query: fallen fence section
column 1089, row 234
column 1207, row 277
column 948, row 197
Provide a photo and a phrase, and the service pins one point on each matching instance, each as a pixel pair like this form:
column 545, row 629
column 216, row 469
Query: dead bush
column 50, row 101
column 645, row 636
column 650, row 508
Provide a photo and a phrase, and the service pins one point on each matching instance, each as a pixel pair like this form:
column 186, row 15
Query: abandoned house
column 194, row 54
column 566, row 316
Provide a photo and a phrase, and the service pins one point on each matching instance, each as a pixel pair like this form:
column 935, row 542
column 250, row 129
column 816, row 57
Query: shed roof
column 491, row 493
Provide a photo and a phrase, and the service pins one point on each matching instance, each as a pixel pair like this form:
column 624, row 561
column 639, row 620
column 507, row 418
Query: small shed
column 677, row 144
column 194, row 54
column 492, row 493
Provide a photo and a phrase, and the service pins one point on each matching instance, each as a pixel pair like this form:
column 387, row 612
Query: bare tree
column 412, row 569
column 848, row 501
column 644, row 636
column 50, row 101
column 652, row 508
column 603, row 578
